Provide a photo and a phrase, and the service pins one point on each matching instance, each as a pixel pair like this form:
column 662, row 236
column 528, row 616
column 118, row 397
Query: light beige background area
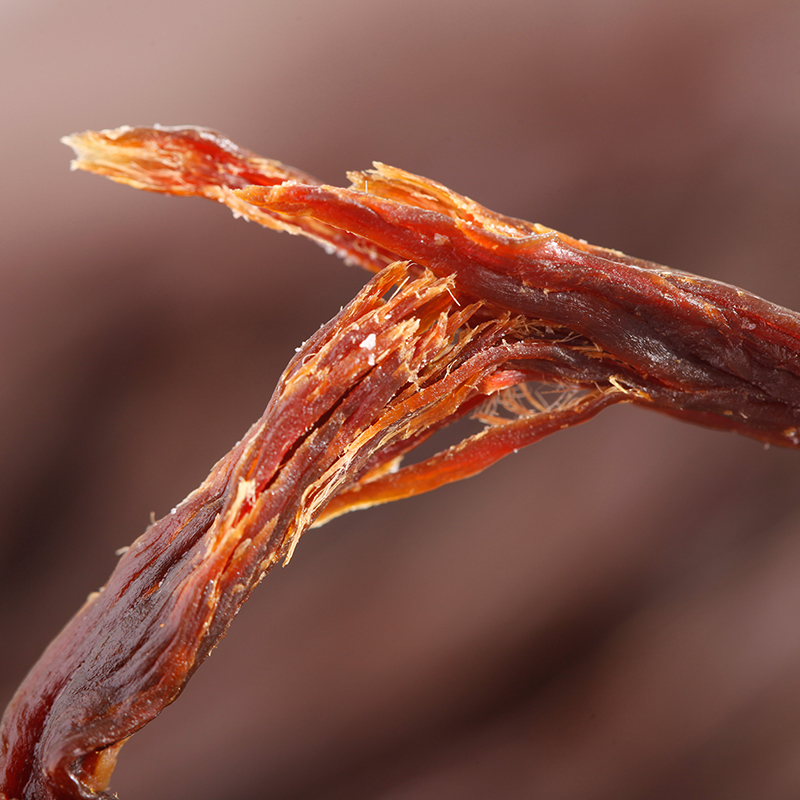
column 613, row 613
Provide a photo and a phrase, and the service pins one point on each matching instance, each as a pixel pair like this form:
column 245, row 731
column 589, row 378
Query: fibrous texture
column 470, row 312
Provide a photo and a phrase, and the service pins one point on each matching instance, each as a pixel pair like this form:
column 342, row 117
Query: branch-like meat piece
column 403, row 359
column 692, row 347
column 483, row 305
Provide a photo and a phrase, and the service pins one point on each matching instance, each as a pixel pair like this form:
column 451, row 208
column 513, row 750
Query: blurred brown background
column 614, row 613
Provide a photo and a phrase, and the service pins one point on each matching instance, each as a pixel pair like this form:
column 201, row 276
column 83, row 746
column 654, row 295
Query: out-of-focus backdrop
column 613, row 613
